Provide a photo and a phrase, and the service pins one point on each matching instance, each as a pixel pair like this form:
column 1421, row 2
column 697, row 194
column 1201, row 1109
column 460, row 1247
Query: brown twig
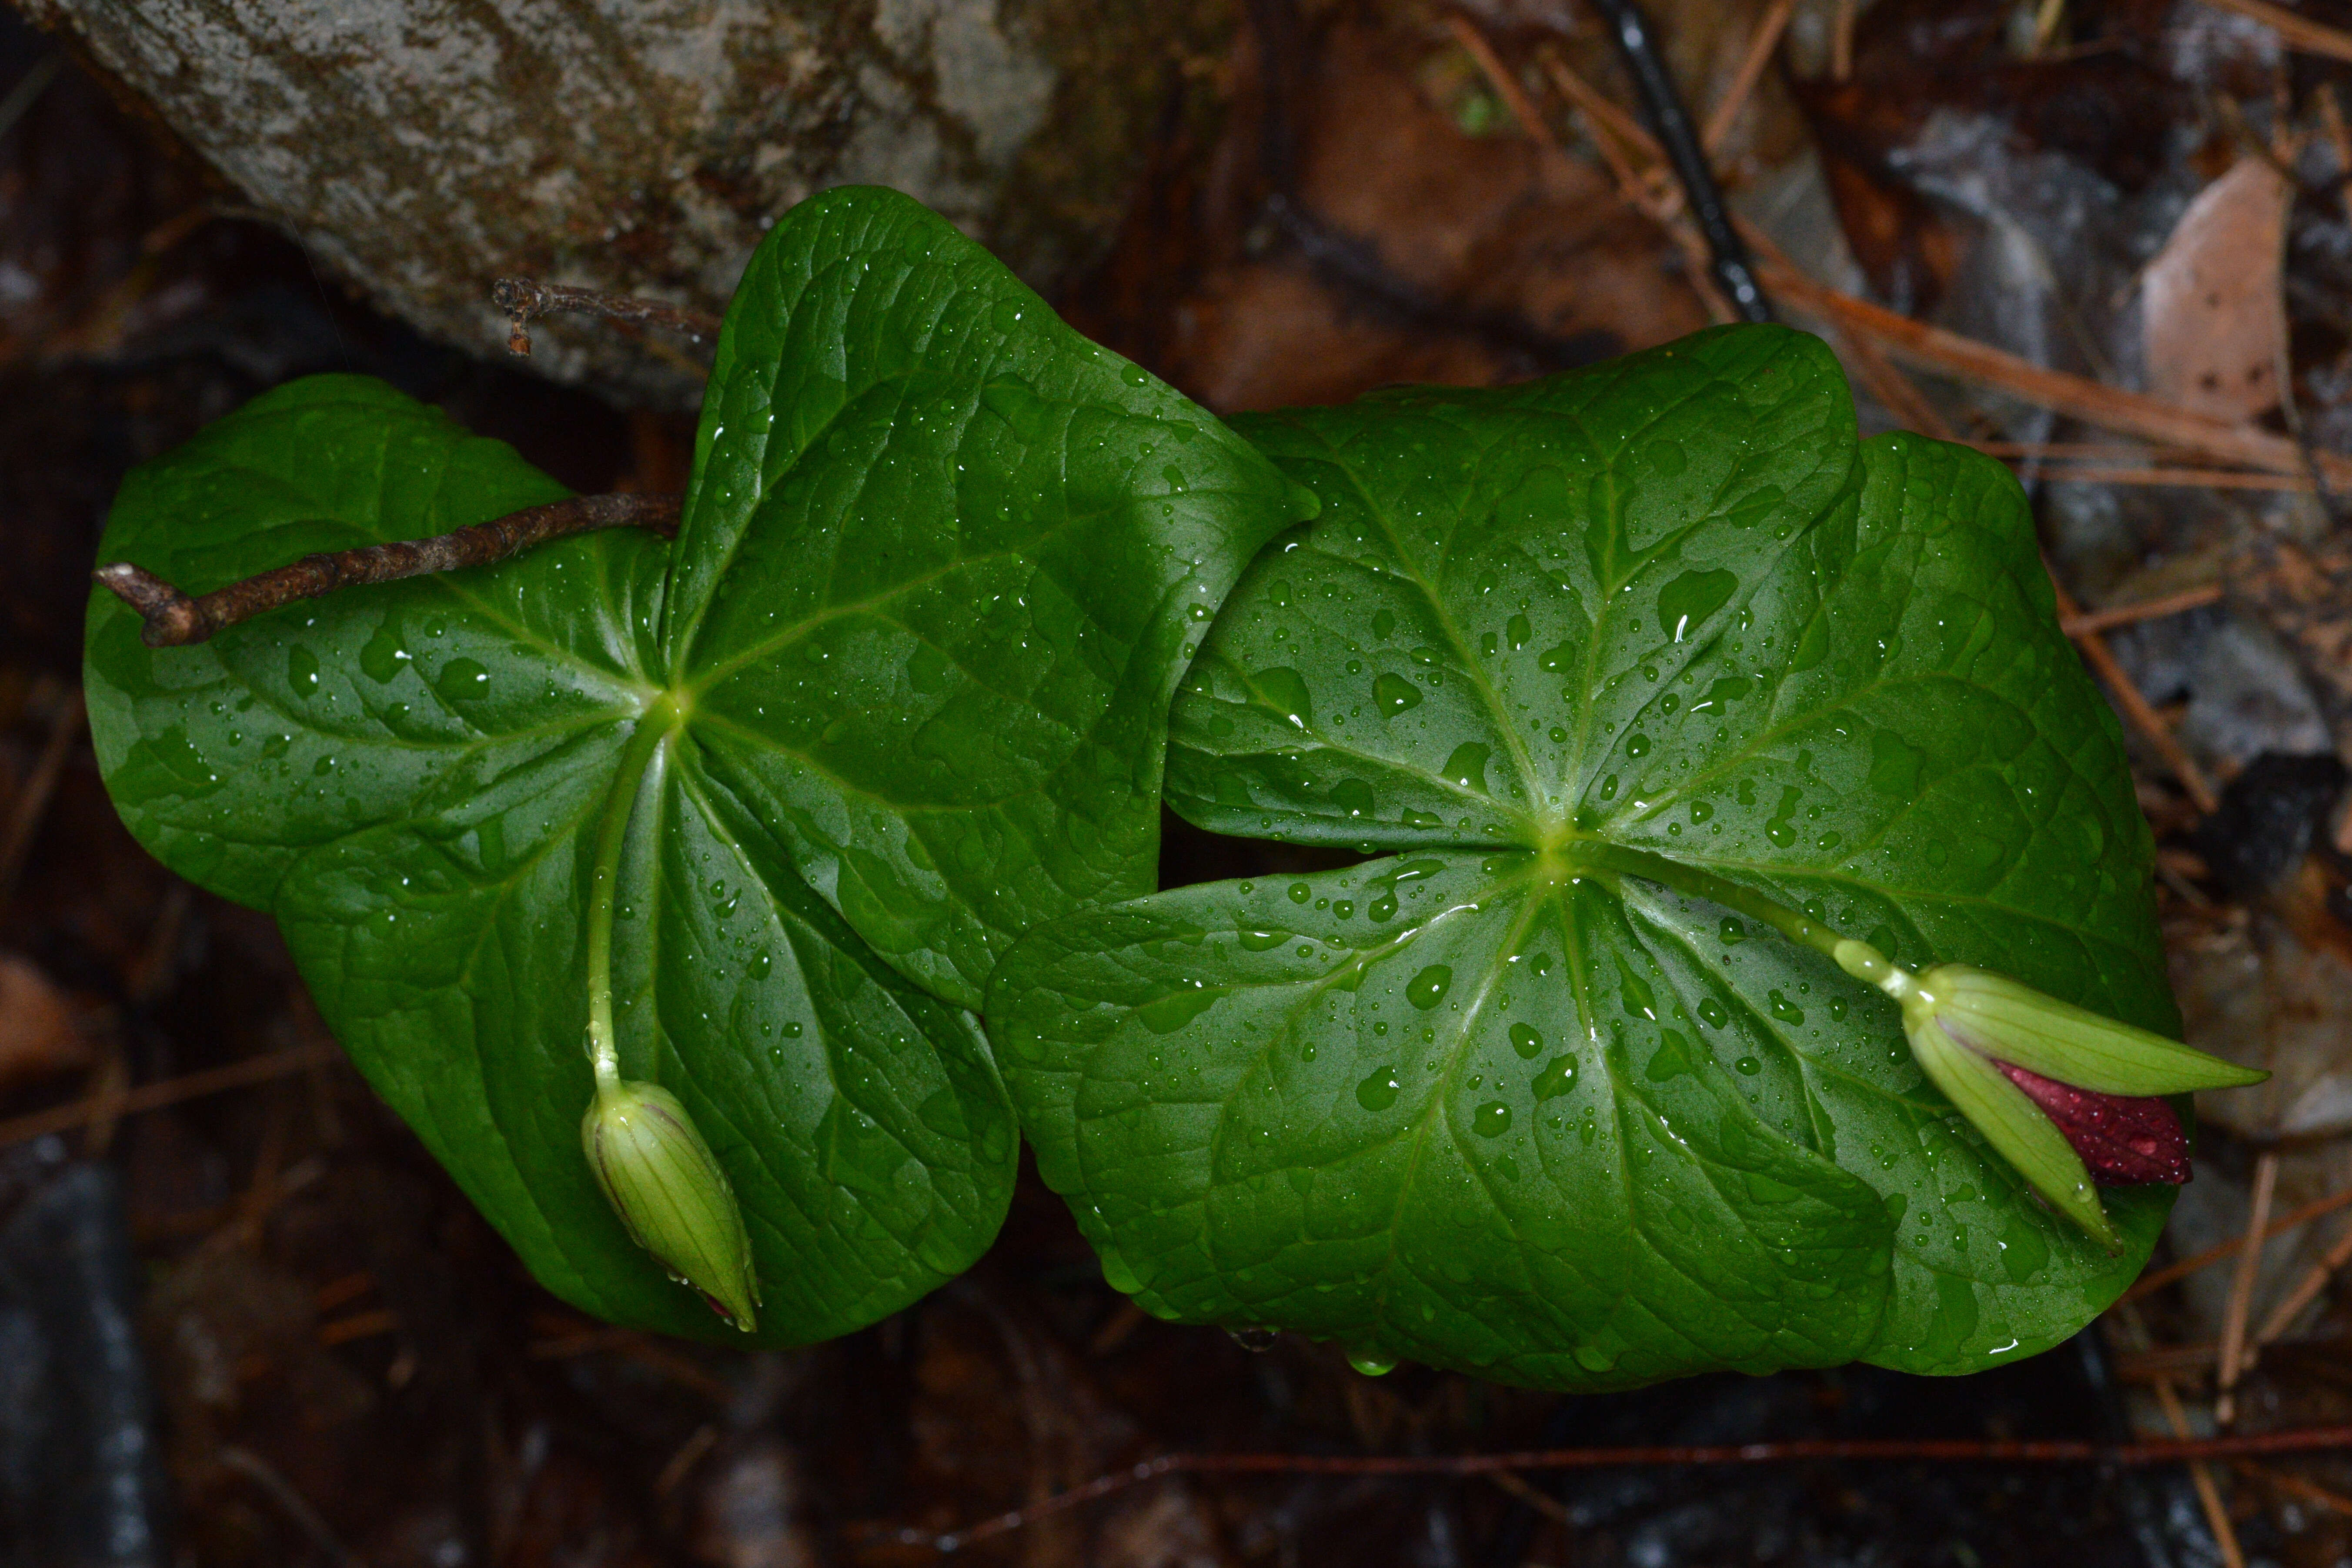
column 2001, row 1450
column 1750, row 72
column 2093, row 403
column 2084, row 622
column 2297, row 32
column 32, row 799
column 2201, row 1476
column 1651, row 190
column 171, row 1092
column 2241, row 1290
column 2296, row 1487
column 2190, row 479
column 2135, row 706
column 2157, row 1278
column 523, row 301
column 1842, row 40
column 289, row 1501
column 2314, row 1279
column 175, row 620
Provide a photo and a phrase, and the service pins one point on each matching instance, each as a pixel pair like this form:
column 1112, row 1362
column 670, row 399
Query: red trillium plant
column 837, row 815
column 2066, row 1096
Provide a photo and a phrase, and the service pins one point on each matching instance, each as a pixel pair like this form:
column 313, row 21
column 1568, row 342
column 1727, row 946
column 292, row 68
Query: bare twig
column 2093, row 403
column 1752, row 71
column 32, row 799
column 2190, row 479
column 290, row 1502
column 2157, row 1278
column 2087, row 621
column 171, row 1092
column 2314, row 1279
column 523, row 301
column 2135, row 706
column 2201, row 1476
column 175, row 620
column 2296, row 1487
column 1841, row 41
column 2297, row 32
column 1651, row 191
column 2242, row 1290
column 2008, row 1450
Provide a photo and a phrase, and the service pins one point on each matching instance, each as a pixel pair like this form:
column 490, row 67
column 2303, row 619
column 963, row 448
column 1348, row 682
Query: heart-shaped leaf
column 901, row 683
column 1517, row 1100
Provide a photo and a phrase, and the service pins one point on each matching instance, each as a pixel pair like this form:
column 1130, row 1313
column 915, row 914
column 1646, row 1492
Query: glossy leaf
column 902, row 679
column 1505, row 1100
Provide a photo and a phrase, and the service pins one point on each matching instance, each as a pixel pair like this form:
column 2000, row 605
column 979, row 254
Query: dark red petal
column 2124, row 1140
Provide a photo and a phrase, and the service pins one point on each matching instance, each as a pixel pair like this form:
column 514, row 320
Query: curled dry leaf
column 2214, row 318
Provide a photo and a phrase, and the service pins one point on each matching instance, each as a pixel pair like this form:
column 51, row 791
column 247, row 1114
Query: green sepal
column 671, row 1193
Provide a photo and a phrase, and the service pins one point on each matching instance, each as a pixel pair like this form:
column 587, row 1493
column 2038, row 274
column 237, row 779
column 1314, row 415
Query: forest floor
column 2107, row 240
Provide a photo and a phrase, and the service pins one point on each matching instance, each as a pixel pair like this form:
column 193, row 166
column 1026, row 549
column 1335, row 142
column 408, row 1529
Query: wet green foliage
column 878, row 742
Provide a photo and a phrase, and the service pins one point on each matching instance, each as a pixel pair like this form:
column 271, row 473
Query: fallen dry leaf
column 39, row 1036
column 2212, row 314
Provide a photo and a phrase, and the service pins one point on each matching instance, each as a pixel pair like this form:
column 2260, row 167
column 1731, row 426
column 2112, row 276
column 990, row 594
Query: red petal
column 2124, row 1140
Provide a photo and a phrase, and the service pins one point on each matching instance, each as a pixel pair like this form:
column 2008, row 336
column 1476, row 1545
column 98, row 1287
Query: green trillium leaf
column 1513, row 1097
column 899, row 690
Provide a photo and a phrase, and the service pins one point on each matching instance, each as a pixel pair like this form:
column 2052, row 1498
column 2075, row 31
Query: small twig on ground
column 175, row 620
column 1999, row 1450
column 523, row 301
column 2087, row 621
column 1842, row 40
column 290, row 1502
column 2241, row 1290
column 2201, row 1476
column 1884, row 380
column 32, row 800
column 2296, row 1487
column 1650, row 190
column 1750, row 72
column 1543, row 1502
column 2135, row 705
column 1728, row 264
column 2192, row 478
column 170, row 1091
column 2314, row 1279
column 2093, row 403
column 2297, row 32
column 2157, row 1278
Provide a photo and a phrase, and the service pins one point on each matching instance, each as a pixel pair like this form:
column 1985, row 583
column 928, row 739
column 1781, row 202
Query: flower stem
column 603, row 888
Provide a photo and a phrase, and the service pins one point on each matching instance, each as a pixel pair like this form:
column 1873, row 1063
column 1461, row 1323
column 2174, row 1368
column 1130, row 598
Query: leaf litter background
column 346, row 1366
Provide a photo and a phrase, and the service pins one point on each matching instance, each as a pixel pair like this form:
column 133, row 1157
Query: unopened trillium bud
column 2064, row 1095
column 668, row 1190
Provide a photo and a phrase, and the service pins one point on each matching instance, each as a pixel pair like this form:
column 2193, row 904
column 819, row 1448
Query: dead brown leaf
column 2212, row 310
column 39, row 1034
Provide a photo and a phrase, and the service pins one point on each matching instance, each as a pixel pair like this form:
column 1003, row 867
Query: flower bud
column 2063, row 1094
column 663, row 1181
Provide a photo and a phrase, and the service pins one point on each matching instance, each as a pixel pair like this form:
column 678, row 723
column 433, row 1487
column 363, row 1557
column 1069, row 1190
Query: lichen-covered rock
column 423, row 148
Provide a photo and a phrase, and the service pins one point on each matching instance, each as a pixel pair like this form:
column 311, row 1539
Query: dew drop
column 1393, row 694
column 1378, row 1092
column 1491, row 1120
column 1527, row 1042
column 1427, row 989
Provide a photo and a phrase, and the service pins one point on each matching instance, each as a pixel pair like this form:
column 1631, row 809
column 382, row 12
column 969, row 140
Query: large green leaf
column 1507, row 1100
column 902, row 683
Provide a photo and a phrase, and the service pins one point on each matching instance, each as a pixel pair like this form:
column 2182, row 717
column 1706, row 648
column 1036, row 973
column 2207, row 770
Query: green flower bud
column 663, row 1181
column 1972, row 1031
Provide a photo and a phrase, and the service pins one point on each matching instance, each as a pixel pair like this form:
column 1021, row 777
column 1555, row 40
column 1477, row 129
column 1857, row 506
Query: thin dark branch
column 175, row 620
column 1670, row 122
column 2063, row 1450
column 523, row 301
